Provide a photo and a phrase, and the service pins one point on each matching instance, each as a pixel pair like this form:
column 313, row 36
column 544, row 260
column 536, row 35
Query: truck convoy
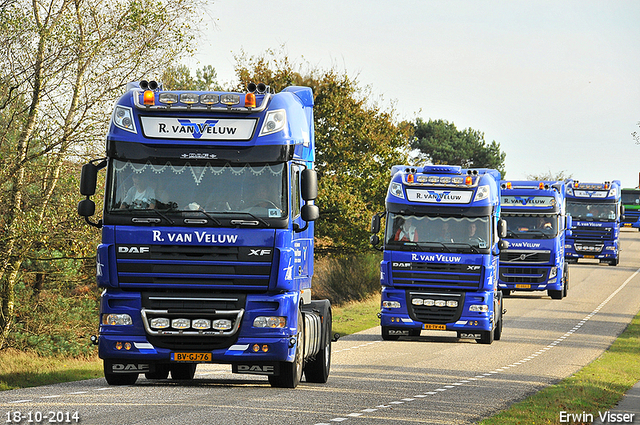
column 536, row 224
column 631, row 202
column 596, row 213
column 440, row 264
column 207, row 236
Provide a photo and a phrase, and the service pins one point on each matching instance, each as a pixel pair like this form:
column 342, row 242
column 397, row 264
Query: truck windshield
column 539, row 226
column 439, row 233
column 631, row 197
column 259, row 190
column 592, row 211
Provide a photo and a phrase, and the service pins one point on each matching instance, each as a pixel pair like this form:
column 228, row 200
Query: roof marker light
column 540, row 185
column 209, row 99
column 410, row 178
column 149, row 97
column 250, row 100
column 508, row 185
column 468, row 181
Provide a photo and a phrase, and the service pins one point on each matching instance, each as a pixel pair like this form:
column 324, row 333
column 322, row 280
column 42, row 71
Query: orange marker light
column 468, row 181
column 149, row 97
column 410, row 178
column 250, row 100
column 508, row 185
column 540, row 185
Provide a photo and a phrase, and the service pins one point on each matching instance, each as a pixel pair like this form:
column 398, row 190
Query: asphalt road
column 432, row 379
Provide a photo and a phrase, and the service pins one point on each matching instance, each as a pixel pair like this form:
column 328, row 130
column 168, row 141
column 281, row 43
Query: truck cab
column 441, row 245
column 207, row 235
column 536, row 219
column 596, row 212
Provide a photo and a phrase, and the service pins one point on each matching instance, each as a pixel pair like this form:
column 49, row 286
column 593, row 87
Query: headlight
column 117, row 319
column 273, row 122
column 270, row 322
column 480, row 308
column 160, row 323
column 390, row 304
column 221, row 324
column 417, row 301
column 396, row 190
column 180, row 323
column 481, row 193
column 553, row 273
column 123, row 118
column 201, row 324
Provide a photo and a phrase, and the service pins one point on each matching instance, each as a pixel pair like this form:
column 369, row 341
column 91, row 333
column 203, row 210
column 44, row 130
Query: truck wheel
column 161, row 372
column 497, row 332
column 317, row 370
column 118, row 378
column 291, row 372
column 565, row 280
column 486, row 337
column 386, row 336
column 183, row 372
column 615, row 261
column 556, row 295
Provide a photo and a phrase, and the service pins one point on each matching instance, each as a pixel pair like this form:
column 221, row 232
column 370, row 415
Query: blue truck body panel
column 440, row 264
column 596, row 212
column 535, row 213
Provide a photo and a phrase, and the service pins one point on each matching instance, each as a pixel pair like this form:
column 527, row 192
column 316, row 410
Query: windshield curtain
column 410, row 229
column 592, row 211
column 173, row 187
column 528, row 226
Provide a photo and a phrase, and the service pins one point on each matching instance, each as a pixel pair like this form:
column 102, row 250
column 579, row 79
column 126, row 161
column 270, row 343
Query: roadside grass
column 356, row 316
column 20, row 370
column 597, row 387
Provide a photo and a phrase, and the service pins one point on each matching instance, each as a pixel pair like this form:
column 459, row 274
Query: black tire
column 615, row 261
column 556, row 295
column 118, row 378
column 183, row 371
column 386, row 336
column 486, row 337
column 161, row 372
column 317, row 370
column 565, row 280
column 497, row 331
column 291, row 372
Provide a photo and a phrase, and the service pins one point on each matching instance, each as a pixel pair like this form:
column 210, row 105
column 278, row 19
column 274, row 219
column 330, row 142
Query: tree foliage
column 550, row 176
column 62, row 65
column 357, row 142
column 440, row 142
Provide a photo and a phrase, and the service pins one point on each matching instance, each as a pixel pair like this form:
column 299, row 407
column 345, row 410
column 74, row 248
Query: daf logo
column 259, row 252
column 402, row 265
column 133, row 249
column 266, row 369
column 130, row 367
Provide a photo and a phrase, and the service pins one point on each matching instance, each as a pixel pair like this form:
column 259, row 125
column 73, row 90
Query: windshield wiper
column 425, row 244
column 206, row 214
column 140, row 220
column 266, row 223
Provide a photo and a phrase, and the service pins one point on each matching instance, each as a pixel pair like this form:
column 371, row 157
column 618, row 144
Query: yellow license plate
column 191, row 357
column 589, row 256
column 434, row 327
column 523, row 286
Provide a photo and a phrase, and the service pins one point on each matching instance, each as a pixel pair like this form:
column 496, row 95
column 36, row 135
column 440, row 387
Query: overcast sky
column 556, row 83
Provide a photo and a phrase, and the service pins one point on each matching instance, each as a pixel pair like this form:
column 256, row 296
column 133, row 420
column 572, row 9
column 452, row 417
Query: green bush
column 343, row 279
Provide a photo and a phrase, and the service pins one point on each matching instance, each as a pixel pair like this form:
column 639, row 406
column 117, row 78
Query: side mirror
column 86, row 208
column 310, row 212
column 502, row 228
column 503, row 244
column 374, row 240
column 375, row 223
column 569, row 223
column 309, row 184
column 621, row 210
column 88, row 179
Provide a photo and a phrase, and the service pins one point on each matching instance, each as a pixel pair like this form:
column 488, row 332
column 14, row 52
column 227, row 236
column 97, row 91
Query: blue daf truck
column 207, row 236
column 536, row 219
column 597, row 212
column 441, row 246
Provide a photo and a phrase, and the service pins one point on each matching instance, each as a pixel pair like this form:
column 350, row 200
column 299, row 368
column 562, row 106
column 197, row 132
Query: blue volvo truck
column 536, row 218
column 441, row 246
column 207, row 236
column 597, row 212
